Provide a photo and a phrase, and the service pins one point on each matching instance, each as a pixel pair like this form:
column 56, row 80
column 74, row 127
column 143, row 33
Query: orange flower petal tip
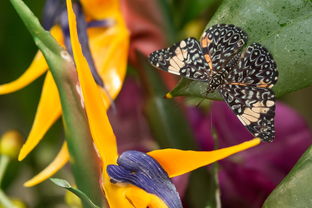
column 168, row 96
column 48, row 111
column 59, row 161
column 177, row 162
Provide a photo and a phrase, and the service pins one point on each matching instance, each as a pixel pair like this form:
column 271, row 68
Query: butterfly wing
column 256, row 67
column 254, row 107
column 221, row 43
column 247, row 91
column 184, row 58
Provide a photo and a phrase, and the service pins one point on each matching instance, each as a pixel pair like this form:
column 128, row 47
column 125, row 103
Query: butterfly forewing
column 220, row 43
column 184, row 58
column 256, row 67
column 254, row 107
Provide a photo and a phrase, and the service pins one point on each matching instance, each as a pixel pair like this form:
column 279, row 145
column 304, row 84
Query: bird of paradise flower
column 173, row 161
column 109, row 48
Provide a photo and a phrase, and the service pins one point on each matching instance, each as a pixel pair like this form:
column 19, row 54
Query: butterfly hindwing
column 254, row 107
column 255, row 67
column 184, row 58
column 220, row 43
column 247, row 91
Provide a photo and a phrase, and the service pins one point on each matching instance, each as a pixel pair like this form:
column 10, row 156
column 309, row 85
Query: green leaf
column 203, row 190
column 187, row 11
column 284, row 27
column 165, row 117
column 61, row 182
column 296, row 188
column 64, row 184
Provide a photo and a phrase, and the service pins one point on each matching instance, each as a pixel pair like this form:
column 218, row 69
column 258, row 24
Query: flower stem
column 5, row 201
column 4, row 161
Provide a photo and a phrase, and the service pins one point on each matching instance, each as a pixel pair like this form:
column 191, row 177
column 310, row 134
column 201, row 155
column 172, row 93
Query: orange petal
column 101, row 130
column 109, row 49
column 99, row 9
column 177, row 162
column 141, row 199
column 48, row 111
column 60, row 160
column 36, row 69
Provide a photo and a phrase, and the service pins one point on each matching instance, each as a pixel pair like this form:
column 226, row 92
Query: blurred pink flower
column 247, row 178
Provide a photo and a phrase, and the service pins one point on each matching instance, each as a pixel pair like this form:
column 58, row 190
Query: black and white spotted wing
column 255, row 67
column 254, row 107
column 184, row 58
column 247, row 91
column 245, row 81
column 220, row 44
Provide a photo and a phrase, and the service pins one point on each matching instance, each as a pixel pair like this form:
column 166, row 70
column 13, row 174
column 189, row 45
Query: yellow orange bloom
column 109, row 48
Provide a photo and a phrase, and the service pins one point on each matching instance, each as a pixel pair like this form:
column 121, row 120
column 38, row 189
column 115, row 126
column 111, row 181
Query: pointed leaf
column 61, row 182
column 64, row 184
column 295, row 190
column 60, row 160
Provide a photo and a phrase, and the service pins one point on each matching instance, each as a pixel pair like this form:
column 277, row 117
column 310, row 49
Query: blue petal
column 51, row 12
column 143, row 171
column 101, row 23
column 83, row 39
column 55, row 13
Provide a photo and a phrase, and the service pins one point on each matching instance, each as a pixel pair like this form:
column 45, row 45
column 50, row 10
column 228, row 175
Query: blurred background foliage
column 182, row 18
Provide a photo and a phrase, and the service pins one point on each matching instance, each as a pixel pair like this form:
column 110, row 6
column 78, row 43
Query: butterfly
column 244, row 77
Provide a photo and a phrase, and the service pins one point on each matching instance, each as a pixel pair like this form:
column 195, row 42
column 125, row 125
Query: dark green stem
column 4, row 161
column 5, row 201
column 83, row 156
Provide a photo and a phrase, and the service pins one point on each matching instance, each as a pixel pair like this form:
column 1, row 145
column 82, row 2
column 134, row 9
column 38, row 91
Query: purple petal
column 143, row 171
column 101, row 23
column 51, row 12
column 129, row 123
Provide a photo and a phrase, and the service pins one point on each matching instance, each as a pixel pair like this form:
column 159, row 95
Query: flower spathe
column 109, row 47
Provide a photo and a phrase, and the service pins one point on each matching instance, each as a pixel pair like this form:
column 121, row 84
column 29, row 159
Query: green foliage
column 284, row 27
column 64, row 184
column 296, row 188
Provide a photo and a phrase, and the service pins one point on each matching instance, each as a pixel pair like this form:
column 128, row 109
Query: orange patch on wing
column 208, row 59
column 237, row 83
column 262, row 84
column 205, row 42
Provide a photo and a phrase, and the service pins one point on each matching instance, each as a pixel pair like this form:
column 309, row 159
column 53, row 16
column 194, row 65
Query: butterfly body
column 243, row 78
